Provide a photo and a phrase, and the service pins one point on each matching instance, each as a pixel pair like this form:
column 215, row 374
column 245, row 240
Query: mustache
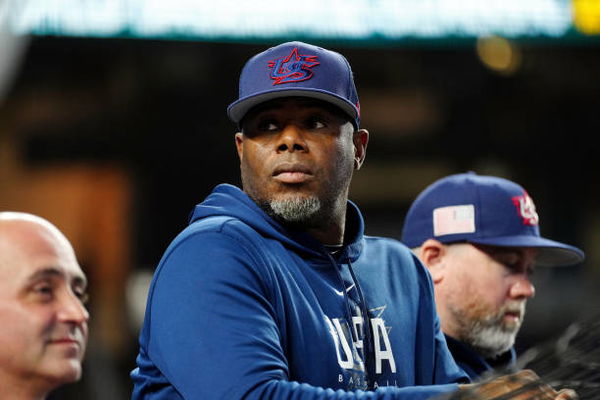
column 514, row 307
column 75, row 334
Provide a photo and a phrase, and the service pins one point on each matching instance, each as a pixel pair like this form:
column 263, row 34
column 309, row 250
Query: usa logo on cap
column 296, row 69
column 526, row 209
column 293, row 68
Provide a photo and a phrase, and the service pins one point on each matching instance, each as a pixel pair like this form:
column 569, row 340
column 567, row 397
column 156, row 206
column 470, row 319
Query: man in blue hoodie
column 479, row 237
column 274, row 292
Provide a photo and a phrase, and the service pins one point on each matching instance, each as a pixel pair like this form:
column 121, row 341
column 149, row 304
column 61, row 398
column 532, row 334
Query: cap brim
column 550, row 252
column 239, row 108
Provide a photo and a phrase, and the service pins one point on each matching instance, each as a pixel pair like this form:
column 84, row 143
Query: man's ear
column 361, row 140
column 239, row 139
column 432, row 254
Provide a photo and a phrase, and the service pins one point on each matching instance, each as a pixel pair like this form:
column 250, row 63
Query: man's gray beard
column 489, row 336
column 491, row 340
column 294, row 210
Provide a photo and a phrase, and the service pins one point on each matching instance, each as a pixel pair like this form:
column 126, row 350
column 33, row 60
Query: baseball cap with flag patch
column 296, row 69
column 484, row 210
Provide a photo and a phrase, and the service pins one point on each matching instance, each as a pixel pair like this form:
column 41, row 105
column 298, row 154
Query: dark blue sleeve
column 212, row 332
column 445, row 367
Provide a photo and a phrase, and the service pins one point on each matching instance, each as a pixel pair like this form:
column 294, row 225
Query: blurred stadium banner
column 376, row 21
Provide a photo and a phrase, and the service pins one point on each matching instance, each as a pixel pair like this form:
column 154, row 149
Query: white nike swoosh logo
column 348, row 289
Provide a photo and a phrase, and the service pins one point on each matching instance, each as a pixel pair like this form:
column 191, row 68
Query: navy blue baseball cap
column 484, row 210
column 296, row 69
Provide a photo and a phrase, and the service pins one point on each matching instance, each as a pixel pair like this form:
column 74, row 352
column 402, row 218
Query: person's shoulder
column 218, row 245
column 388, row 244
column 389, row 262
column 388, row 251
column 221, row 224
column 227, row 233
column 215, row 233
column 393, row 253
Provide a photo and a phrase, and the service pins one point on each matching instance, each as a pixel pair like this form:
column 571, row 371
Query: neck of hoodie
column 229, row 200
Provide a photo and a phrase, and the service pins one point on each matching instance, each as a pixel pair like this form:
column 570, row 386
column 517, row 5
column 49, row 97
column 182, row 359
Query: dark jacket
column 241, row 307
column 474, row 364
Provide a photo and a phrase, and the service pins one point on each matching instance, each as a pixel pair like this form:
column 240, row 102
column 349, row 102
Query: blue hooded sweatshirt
column 241, row 307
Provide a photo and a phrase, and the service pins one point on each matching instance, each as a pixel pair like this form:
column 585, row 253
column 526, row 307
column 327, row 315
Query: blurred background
column 113, row 126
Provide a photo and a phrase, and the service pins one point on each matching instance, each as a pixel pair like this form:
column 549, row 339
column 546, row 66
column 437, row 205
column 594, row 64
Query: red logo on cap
column 526, row 209
column 293, row 68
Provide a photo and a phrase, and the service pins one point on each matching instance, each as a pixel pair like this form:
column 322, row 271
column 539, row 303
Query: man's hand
column 522, row 385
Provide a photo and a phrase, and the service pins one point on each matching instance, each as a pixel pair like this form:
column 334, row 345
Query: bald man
column 43, row 333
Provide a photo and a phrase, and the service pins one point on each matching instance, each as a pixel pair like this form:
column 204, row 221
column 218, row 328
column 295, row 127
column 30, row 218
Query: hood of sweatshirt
column 230, row 201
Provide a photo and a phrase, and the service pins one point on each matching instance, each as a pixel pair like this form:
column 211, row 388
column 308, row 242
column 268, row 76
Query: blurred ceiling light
column 12, row 47
column 499, row 54
column 378, row 20
column 586, row 16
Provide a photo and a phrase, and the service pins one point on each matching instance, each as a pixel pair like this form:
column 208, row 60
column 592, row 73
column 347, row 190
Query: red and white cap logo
column 526, row 209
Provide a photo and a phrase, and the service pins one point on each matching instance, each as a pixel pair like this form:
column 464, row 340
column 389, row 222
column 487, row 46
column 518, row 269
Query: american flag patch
column 454, row 219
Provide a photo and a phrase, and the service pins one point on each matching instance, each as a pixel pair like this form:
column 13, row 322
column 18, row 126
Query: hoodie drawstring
column 368, row 349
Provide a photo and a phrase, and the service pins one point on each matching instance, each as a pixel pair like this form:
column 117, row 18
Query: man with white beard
column 479, row 238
